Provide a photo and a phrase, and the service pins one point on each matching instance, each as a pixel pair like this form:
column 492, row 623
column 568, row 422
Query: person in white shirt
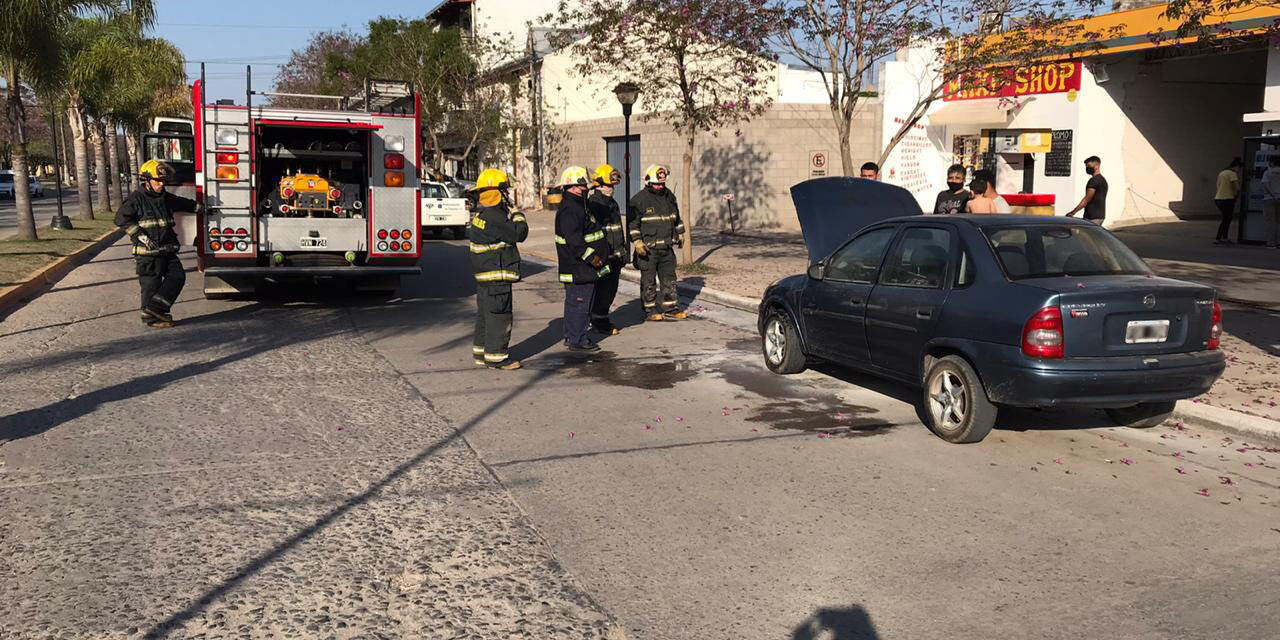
column 1271, row 202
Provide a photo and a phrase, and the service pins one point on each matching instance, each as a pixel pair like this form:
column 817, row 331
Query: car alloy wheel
column 775, row 341
column 948, row 401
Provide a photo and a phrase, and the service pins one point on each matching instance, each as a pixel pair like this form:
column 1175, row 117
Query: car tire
column 956, row 403
column 780, row 344
column 1142, row 416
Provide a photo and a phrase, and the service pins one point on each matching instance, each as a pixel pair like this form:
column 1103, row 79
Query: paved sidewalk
column 744, row 264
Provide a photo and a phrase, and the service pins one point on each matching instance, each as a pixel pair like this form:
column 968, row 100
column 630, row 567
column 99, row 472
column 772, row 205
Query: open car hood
column 832, row 209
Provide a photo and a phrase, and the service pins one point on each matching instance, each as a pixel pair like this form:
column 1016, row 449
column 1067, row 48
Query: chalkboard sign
column 1057, row 163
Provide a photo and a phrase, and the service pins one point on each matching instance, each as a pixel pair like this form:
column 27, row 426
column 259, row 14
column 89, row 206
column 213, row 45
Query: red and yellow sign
column 1050, row 77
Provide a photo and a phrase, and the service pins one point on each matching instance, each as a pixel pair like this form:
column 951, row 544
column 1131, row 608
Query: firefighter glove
column 641, row 250
column 146, row 241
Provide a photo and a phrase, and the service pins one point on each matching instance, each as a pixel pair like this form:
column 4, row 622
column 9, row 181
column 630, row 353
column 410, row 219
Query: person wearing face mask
column 954, row 198
column 1094, row 202
column 495, row 260
column 605, row 211
column 583, row 256
column 147, row 217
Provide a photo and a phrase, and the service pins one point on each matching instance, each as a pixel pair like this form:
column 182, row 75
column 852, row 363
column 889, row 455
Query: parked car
column 6, row 185
column 440, row 210
column 987, row 311
column 36, row 188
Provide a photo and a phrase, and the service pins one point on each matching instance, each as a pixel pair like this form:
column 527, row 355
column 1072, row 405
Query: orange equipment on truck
column 304, row 194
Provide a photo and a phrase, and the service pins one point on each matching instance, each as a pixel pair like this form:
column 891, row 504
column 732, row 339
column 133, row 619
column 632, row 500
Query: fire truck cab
column 302, row 194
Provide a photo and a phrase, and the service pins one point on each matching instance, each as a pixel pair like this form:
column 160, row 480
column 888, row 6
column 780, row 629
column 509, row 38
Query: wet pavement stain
column 651, row 375
column 749, row 345
column 792, row 404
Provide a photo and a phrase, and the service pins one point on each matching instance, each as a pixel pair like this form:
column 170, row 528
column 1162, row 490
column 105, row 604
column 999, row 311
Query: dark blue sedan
column 984, row 311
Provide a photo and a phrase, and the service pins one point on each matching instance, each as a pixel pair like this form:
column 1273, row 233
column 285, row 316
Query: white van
column 440, row 211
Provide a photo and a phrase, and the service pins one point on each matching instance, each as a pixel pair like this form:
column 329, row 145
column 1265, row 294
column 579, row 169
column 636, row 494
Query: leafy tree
column 842, row 40
column 32, row 35
column 312, row 71
column 702, row 65
column 1205, row 17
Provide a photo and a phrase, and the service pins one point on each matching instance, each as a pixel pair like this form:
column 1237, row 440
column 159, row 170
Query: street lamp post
column 60, row 221
column 627, row 93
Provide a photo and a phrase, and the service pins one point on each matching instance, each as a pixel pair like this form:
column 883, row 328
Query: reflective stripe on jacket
column 495, row 231
column 149, row 215
column 604, row 209
column 578, row 239
column 654, row 217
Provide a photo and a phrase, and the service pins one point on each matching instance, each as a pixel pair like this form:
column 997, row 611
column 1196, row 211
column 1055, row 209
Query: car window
column 858, row 261
column 171, row 149
column 6, row 177
column 1039, row 251
column 967, row 272
column 919, row 260
column 434, row 191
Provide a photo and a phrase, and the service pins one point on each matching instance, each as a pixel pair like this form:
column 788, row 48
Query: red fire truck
column 305, row 194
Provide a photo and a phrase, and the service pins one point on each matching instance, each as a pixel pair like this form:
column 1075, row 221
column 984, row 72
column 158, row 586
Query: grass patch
column 697, row 269
column 20, row 258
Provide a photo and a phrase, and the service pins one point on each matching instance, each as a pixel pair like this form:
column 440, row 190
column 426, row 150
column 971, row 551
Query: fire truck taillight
column 395, row 234
column 393, row 179
column 393, row 161
column 242, row 232
column 382, row 246
column 394, row 143
column 215, row 245
column 406, row 234
column 382, row 234
column 228, row 232
column 395, row 246
column 242, row 246
column 226, row 137
column 228, row 158
column 227, row 173
column 215, row 231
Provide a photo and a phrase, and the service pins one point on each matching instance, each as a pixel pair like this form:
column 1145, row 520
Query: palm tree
column 32, row 36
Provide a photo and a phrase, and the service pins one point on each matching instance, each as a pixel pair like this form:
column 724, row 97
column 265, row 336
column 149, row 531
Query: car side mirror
column 817, row 271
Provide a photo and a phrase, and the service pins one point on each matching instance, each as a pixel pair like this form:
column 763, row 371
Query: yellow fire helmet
column 574, row 177
column 155, row 170
column 606, row 175
column 655, row 174
column 489, row 186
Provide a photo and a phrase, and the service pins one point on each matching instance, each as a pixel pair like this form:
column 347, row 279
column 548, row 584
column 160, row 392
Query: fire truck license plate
column 313, row 243
column 1146, row 331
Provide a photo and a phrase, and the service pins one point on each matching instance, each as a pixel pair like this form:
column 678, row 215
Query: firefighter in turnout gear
column 608, row 216
column 495, row 231
column 655, row 228
column 147, row 217
column 583, row 255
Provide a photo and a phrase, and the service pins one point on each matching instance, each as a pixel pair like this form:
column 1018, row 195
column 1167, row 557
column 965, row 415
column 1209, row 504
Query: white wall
column 801, row 86
column 506, row 19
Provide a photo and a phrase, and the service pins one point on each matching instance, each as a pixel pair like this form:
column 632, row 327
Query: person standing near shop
column 583, row 257
column 1271, row 202
column 998, row 203
column 653, row 221
column 604, row 210
column 980, row 203
column 1225, row 197
column 1094, row 202
column 147, row 217
column 869, row 171
column 495, row 260
column 954, row 198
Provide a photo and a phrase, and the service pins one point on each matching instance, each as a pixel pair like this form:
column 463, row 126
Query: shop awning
column 988, row 111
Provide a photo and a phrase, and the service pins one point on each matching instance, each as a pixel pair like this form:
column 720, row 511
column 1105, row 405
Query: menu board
column 1057, row 162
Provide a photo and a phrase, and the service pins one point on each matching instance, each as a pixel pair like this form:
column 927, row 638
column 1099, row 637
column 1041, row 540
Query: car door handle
column 924, row 314
column 856, row 301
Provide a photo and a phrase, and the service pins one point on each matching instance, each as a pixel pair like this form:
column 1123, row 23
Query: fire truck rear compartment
column 319, row 156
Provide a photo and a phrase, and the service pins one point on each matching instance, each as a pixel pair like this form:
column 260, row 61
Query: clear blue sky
column 228, row 34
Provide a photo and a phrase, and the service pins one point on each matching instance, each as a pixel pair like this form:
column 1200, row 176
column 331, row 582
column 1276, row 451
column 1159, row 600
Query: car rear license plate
column 1146, row 331
column 313, row 243
column 440, row 218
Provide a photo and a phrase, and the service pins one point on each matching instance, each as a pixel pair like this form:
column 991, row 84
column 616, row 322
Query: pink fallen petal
column 755, row 431
column 570, row 435
column 340, row 429
column 1203, row 492
column 680, row 419
column 1180, row 470
column 1079, row 285
column 1057, row 460
column 724, row 413
column 1125, row 461
column 1177, row 454
column 657, row 419
column 647, row 427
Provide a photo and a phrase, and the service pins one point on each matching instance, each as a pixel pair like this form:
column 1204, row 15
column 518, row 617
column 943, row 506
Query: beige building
column 567, row 119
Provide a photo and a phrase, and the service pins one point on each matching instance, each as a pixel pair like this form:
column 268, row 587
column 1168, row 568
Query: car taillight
column 227, row 158
column 393, row 161
column 1215, row 331
column 1042, row 335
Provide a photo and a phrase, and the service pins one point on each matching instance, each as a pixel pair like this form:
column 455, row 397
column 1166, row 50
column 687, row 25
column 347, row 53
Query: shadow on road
column 837, row 623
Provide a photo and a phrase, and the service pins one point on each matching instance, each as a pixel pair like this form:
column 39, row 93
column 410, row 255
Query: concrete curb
column 51, row 273
column 1243, row 424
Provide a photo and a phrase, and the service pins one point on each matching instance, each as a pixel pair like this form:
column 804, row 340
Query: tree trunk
column 80, row 141
column 843, row 129
column 131, row 148
column 113, row 161
column 690, row 219
column 96, row 134
column 16, row 114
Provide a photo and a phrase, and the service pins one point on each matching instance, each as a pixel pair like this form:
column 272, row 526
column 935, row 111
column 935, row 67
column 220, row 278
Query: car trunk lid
column 1130, row 315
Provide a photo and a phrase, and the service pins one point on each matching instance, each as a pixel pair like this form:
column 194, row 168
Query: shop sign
column 1036, row 79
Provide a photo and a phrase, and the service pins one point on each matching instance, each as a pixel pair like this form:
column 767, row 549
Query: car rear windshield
column 434, row 191
column 1046, row 251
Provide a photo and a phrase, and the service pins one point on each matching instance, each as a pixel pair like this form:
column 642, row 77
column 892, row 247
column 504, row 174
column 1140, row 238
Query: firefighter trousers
column 493, row 323
column 658, row 280
column 161, row 278
column 577, row 313
column 602, row 300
